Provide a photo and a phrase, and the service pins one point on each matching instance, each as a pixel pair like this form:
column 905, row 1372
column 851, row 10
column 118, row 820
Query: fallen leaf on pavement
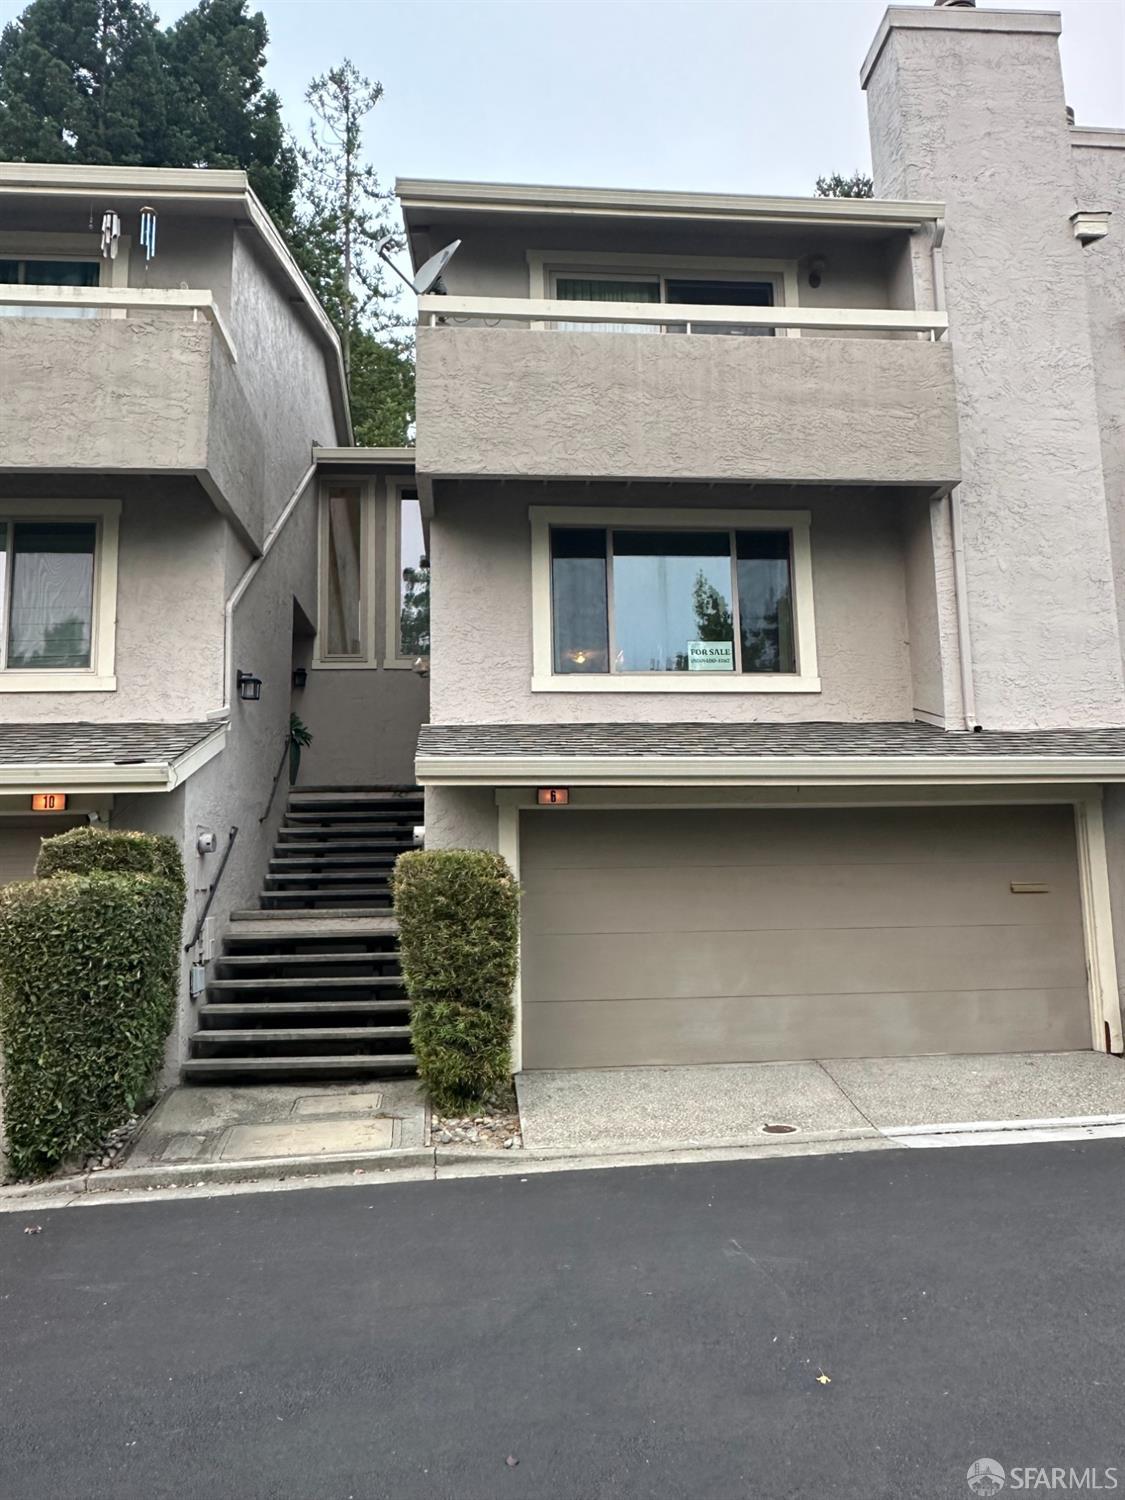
column 511, row 1461
column 33, row 1229
column 823, row 1379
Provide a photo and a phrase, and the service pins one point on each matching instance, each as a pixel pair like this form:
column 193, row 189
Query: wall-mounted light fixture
column 300, row 676
column 249, row 687
column 817, row 267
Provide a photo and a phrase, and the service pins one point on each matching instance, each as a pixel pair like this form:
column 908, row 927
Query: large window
column 711, row 601
column 30, row 271
column 57, row 597
column 374, row 601
column 773, row 285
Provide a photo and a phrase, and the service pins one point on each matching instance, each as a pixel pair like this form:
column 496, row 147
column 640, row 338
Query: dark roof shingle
column 758, row 740
column 98, row 744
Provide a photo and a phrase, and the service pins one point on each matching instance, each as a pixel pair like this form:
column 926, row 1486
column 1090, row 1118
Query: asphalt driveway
column 858, row 1326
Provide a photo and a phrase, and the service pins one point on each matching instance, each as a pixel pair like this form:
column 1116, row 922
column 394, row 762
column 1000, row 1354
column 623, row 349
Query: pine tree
column 343, row 214
column 224, row 115
column 83, row 81
column 858, row 185
column 97, row 81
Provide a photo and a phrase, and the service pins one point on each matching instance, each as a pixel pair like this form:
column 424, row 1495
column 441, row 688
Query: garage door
column 19, row 843
column 700, row 936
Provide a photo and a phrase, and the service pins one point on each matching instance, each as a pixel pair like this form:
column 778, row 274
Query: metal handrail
column 211, row 893
column 277, row 777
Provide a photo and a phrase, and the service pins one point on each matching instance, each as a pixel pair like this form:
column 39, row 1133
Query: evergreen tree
column 224, row 116
column 98, row 82
column 343, row 213
column 858, row 185
column 83, row 81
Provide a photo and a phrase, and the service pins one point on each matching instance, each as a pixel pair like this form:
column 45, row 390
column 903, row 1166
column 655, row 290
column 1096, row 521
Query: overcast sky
column 746, row 96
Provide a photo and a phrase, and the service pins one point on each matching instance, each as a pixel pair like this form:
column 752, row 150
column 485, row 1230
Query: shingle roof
column 769, row 741
column 98, row 744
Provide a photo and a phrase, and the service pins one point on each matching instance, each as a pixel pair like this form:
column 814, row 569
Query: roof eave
column 422, row 194
column 112, row 776
column 735, row 770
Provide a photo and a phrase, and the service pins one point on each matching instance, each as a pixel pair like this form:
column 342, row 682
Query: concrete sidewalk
column 614, row 1109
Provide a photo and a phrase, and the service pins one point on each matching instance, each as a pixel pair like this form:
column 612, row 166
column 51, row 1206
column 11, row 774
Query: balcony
column 538, row 389
column 126, row 380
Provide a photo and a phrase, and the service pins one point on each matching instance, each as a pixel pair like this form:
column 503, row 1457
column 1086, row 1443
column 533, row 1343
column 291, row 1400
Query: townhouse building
column 776, row 549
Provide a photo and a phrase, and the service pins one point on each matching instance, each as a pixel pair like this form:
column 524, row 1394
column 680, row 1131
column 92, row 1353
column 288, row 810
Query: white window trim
column 15, row 245
column 545, row 680
column 366, row 660
column 394, row 660
column 545, row 265
column 98, row 677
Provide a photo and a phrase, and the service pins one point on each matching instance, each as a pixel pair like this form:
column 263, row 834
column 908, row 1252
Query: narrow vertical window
column 343, row 574
column 414, row 579
column 51, row 609
column 580, row 607
column 765, row 601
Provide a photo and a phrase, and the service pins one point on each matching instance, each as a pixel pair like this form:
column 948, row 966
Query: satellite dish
column 430, row 274
column 428, row 278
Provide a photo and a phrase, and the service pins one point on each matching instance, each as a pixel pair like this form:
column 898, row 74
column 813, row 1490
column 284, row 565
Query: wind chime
column 111, row 233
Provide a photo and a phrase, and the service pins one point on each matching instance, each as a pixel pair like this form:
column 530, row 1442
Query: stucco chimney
column 966, row 108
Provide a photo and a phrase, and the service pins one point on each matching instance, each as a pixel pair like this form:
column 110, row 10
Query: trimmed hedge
column 82, row 851
column 458, row 915
column 89, row 968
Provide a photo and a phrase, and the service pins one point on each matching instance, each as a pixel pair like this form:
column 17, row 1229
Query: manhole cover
column 779, row 1129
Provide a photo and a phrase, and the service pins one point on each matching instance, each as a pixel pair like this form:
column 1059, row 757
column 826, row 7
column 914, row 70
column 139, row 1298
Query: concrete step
column 309, row 847
column 197, row 1068
column 286, row 859
column 243, row 961
column 370, row 819
column 362, row 896
column 314, row 985
column 318, row 879
column 253, row 1009
column 263, row 1036
column 319, row 923
column 409, row 788
column 369, row 797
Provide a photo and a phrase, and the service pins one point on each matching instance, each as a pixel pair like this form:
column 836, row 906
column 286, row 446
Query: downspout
column 248, row 578
column 960, row 582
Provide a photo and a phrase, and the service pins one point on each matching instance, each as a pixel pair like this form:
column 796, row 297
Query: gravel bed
column 494, row 1127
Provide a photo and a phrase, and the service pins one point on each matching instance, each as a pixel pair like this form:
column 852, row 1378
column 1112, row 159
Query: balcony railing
column 57, row 301
column 675, row 317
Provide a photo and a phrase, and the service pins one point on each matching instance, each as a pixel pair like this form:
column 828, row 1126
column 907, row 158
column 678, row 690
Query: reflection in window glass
column 414, row 579
column 600, row 289
column 578, row 591
column 50, row 619
column 765, row 602
column 343, row 601
column 672, row 601
column 50, row 273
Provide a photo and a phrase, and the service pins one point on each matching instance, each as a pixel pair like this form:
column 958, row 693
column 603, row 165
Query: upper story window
column 697, row 291
column 40, row 271
column 58, row 586
column 672, row 601
column 411, row 624
column 374, row 591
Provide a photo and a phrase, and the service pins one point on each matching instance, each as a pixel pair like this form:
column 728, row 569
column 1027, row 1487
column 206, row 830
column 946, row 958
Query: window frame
column 19, row 245
column 394, row 659
column 368, row 543
column 544, row 679
column 99, row 676
column 545, row 266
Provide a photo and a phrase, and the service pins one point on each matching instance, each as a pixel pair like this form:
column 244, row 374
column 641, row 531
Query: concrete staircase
column 308, row 985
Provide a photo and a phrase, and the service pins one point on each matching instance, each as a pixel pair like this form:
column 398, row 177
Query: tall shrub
column 89, row 964
column 458, row 914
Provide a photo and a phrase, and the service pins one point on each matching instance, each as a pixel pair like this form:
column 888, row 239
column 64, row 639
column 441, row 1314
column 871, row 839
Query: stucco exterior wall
column 1099, row 183
column 481, row 666
column 580, row 405
column 282, row 369
column 105, row 393
column 1041, row 594
column 170, row 594
column 493, row 261
column 461, row 818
